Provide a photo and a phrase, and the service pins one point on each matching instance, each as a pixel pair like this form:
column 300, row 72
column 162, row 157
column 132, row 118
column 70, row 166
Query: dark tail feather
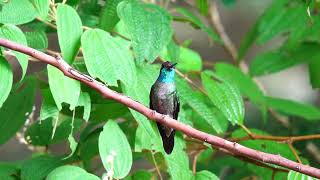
column 168, row 142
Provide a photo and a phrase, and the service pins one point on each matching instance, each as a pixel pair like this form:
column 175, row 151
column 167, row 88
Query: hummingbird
column 164, row 100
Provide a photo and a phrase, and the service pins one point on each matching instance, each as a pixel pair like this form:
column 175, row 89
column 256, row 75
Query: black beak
column 173, row 65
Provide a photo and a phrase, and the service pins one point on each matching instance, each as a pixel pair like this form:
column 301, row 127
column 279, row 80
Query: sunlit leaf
column 293, row 175
column 17, row 12
column 37, row 39
column 225, row 96
column 6, row 78
column 149, row 27
column 107, row 58
column 69, row 28
column 13, row 33
column 114, row 149
column 42, row 7
column 63, row 89
column 71, row 173
column 109, row 17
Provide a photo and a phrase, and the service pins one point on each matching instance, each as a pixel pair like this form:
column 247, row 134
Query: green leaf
column 293, row 175
column 84, row 100
column 247, row 42
column 289, row 107
column 6, row 78
column 110, row 110
column 146, row 76
column 39, row 167
column 63, row 89
column 140, row 175
column 48, row 106
column 115, row 151
column 13, row 114
column 40, row 132
column 109, row 17
column 8, row 171
column 13, row 33
column 69, row 29
column 42, row 7
column 281, row 18
column 188, row 96
column 142, row 141
column 314, row 73
column 107, row 58
column 276, row 61
column 17, row 12
column 203, row 6
column 244, row 82
column 204, row 175
column 177, row 161
column 196, row 21
column 149, row 27
column 70, row 173
column 188, row 60
column 37, row 39
column 225, row 96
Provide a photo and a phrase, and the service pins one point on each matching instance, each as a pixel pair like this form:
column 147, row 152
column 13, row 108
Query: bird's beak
column 174, row 65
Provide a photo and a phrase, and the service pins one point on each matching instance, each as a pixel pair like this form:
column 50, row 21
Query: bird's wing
column 150, row 98
column 176, row 106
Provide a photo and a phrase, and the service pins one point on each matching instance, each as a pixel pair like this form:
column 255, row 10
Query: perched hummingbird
column 164, row 100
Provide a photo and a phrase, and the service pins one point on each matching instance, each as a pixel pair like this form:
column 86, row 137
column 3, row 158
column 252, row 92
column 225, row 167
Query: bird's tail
column 167, row 141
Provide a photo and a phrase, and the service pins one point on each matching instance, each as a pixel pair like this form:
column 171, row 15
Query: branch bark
column 233, row 147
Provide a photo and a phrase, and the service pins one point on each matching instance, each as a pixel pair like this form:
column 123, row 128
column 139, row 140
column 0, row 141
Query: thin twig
column 194, row 163
column 155, row 165
column 294, row 152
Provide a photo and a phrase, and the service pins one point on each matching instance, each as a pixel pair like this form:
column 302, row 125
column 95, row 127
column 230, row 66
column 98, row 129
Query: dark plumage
column 164, row 100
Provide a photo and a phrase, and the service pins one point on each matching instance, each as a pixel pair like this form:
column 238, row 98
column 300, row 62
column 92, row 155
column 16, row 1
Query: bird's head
column 167, row 72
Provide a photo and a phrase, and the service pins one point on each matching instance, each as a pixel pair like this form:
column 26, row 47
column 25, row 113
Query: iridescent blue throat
column 166, row 76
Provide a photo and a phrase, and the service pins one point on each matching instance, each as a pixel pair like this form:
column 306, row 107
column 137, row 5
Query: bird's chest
column 163, row 98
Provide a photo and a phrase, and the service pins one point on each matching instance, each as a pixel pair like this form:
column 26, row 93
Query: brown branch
column 227, row 43
column 233, row 147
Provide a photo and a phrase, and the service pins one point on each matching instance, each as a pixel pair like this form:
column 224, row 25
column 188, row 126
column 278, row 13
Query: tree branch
column 233, row 147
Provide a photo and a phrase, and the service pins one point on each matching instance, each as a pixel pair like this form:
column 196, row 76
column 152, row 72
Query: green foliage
column 298, row 176
column 13, row 114
column 6, row 79
column 13, row 33
column 42, row 7
column 37, row 39
column 39, row 167
column 63, row 89
column 109, row 17
column 149, row 28
column 104, row 55
column 115, row 151
column 69, row 28
column 17, row 12
column 121, row 43
column 225, row 96
column 306, row 111
column 70, row 172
